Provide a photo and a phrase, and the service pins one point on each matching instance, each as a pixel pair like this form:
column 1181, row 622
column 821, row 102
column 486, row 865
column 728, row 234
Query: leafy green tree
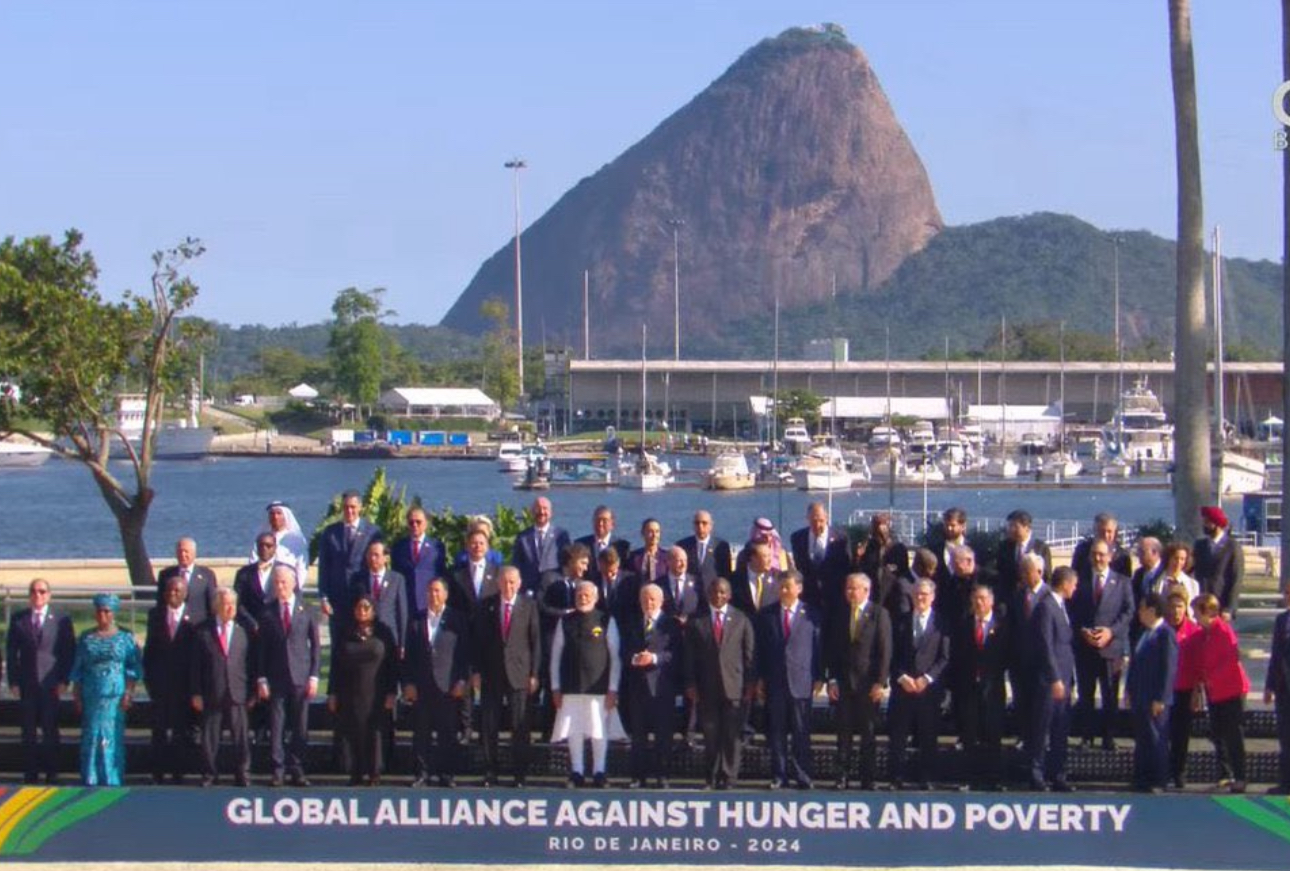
column 501, row 380
column 70, row 352
column 355, row 345
column 799, row 403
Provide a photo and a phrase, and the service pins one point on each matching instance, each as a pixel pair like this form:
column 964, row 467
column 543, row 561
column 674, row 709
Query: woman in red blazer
column 1222, row 683
column 1189, row 636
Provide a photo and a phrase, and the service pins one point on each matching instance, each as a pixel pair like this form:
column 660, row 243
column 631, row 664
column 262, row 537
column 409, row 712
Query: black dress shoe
column 207, row 782
column 1062, row 786
column 521, row 782
column 775, row 784
column 488, row 782
column 1108, row 744
column 447, row 782
column 896, row 786
column 417, row 782
column 1039, row 785
column 242, row 780
column 300, row 780
column 921, row 786
column 276, row 780
column 663, row 783
column 599, row 781
column 841, row 784
column 374, row 780
column 577, row 781
column 868, row 785
column 1238, row 786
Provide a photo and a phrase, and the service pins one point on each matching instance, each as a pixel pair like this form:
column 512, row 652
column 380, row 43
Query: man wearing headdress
column 1220, row 561
column 291, row 547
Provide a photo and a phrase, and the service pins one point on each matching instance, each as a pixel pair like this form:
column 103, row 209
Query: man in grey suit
column 507, row 644
column 720, row 679
column 200, row 580
column 435, row 671
column 290, row 658
column 342, row 550
column 790, row 672
column 859, row 665
column 387, row 589
column 39, row 650
column 920, row 657
column 537, row 549
column 222, row 685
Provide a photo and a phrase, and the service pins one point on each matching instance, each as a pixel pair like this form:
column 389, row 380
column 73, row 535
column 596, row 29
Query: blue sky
column 319, row 145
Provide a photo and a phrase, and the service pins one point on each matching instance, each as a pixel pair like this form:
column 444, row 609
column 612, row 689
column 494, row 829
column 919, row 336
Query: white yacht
column 22, row 455
column 884, row 437
column 823, row 468
column 511, row 458
column 729, row 471
column 646, row 472
column 797, row 439
column 185, row 440
column 1140, row 433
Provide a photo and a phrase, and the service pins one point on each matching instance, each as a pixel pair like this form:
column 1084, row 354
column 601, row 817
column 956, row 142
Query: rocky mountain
column 788, row 170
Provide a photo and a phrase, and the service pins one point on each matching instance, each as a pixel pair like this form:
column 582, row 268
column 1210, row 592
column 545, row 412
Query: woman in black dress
column 362, row 692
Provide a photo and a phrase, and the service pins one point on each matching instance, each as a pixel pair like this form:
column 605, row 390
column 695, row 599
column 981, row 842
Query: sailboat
column 646, row 471
column 1062, row 464
column 1002, row 466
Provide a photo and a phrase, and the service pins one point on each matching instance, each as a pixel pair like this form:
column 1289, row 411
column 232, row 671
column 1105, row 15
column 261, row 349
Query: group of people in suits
column 592, row 639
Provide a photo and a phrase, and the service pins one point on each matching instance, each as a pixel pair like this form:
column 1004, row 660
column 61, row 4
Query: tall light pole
column 515, row 165
column 676, row 224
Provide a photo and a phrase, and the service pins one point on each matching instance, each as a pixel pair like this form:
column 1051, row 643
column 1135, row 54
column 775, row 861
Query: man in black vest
column 584, row 683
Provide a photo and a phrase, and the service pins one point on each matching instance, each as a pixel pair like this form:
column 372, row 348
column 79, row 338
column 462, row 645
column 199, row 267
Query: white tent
column 303, row 391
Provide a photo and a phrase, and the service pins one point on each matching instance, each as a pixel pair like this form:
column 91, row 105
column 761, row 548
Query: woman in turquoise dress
column 104, row 673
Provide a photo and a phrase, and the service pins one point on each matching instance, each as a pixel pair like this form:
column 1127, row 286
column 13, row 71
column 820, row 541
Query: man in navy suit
column 790, row 672
column 341, row 553
column 537, row 548
column 1276, row 690
column 387, row 589
column 1022, row 663
column 1106, row 529
column 757, row 586
column 822, row 555
column 1100, row 614
column 979, row 657
column 708, row 556
column 682, row 592
column 1018, row 542
column 435, row 672
column 603, row 538
column 254, row 581
column 720, row 680
column 222, row 684
column 167, row 661
column 200, row 580
column 39, row 650
column 943, row 540
column 650, row 647
column 290, row 658
column 1053, row 676
column 1150, row 685
column 419, row 559
column 921, row 653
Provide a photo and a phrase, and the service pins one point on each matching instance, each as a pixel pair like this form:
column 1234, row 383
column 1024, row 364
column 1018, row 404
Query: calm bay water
column 56, row 511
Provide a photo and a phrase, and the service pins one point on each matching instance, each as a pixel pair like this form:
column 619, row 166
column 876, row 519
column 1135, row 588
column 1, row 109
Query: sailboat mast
column 644, row 333
column 1219, row 398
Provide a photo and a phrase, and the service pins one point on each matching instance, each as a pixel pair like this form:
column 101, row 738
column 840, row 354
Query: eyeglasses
column 40, row 592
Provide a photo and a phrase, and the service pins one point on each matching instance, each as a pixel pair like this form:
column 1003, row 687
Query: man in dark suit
column 473, row 581
column 387, row 590
column 420, row 559
column 290, row 659
column 1150, row 686
column 39, row 650
column 1219, row 561
column 920, row 656
column 618, row 589
column 1100, row 615
column 254, row 581
column 435, row 672
column 167, row 664
column 720, row 679
column 341, row 553
column 978, row 660
column 790, row 672
column 222, row 684
column 758, row 586
column 942, row 541
column 507, row 645
column 650, row 646
column 954, row 593
column 1018, row 541
column 859, row 666
column 200, row 580
column 1276, row 691
column 708, row 556
column 1148, row 578
column 1105, row 528
column 1021, row 663
column 823, row 555
column 1053, row 676
column 602, row 538
column 649, row 561
column 537, row 548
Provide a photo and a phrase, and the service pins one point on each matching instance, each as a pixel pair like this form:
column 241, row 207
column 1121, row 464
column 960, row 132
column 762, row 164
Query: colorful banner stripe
column 34, row 814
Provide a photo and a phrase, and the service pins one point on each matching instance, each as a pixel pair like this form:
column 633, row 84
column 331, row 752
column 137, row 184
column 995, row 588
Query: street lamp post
column 515, row 165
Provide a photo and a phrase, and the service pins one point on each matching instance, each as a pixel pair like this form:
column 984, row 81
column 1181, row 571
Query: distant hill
column 1036, row 268
column 788, row 170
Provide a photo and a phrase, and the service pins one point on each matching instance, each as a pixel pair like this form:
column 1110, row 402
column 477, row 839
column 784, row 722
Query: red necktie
column 286, row 619
column 718, row 628
column 788, row 618
column 980, row 634
column 223, row 638
column 1097, row 589
column 416, row 551
column 171, row 624
column 506, row 622
column 376, row 587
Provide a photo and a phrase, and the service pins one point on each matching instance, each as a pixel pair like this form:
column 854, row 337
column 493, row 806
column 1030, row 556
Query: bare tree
column 1191, row 483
